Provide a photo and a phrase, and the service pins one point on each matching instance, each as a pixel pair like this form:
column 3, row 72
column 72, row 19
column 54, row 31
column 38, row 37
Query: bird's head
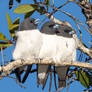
column 29, row 24
column 63, row 30
column 48, row 28
column 52, row 28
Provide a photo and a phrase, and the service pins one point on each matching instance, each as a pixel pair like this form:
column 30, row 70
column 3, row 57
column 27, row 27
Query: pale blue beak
column 56, row 26
column 72, row 32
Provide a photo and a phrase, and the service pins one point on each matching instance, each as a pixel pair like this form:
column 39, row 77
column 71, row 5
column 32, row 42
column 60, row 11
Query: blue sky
column 8, row 84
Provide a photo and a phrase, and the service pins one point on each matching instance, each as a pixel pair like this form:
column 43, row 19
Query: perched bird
column 43, row 70
column 65, row 47
column 25, row 40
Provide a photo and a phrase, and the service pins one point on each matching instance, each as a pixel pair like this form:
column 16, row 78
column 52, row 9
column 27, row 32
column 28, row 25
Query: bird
column 22, row 49
column 65, row 47
column 43, row 70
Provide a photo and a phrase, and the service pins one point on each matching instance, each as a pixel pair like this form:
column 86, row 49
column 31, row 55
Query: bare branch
column 18, row 63
column 74, row 18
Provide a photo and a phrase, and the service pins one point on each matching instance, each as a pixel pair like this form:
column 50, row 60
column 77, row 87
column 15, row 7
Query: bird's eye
column 51, row 26
column 67, row 31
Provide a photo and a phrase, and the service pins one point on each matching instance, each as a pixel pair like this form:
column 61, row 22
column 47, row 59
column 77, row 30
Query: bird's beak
column 56, row 26
column 37, row 21
column 72, row 32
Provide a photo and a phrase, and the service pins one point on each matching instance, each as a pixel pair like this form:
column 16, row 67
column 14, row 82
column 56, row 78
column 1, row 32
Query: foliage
column 84, row 77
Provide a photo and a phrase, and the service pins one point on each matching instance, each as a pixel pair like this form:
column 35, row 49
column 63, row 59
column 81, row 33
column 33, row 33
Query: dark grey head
column 29, row 24
column 58, row 29
column 64, row 30
column 47, row 28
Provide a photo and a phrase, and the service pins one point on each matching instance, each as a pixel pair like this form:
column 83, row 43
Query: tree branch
column 6, row 70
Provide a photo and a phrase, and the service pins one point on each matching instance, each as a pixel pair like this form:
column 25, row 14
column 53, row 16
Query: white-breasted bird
column 43, row 70
column 65, row 49
column 27, row 38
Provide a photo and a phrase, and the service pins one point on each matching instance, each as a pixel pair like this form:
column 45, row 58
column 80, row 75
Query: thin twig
column 22, row 86
column 74, row 18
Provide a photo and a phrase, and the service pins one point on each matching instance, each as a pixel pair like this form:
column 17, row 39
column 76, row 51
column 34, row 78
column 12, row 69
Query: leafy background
column 10, row 85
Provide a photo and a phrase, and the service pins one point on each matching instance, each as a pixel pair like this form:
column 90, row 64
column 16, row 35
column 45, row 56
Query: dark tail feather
column 43, row 81
column 47, row 74
column 55, row 78
column 18, row 74
column 61, row 72
column 27, row 73
column 37, row 77
column 61, row 83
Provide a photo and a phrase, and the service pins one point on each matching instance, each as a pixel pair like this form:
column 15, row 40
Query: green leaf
column 13, row 28
column 9, row 21
column 90, row 77
column 2, row 37
column 25, row 8
column 28, row 14
column 5, row 44
column 16, row 21
column 10, row 4
column 83, row 78
column 47, row 2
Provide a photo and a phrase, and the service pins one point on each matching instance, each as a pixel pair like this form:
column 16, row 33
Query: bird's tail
column 61, row 71
column 61, row 83
column 18, row 72
column 27, row 73
column 42, row 75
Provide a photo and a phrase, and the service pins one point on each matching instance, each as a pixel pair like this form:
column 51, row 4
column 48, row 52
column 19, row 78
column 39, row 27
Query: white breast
column 27, row 45
column 58, row 48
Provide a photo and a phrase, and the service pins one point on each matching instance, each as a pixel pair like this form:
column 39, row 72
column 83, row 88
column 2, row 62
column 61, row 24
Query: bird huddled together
column 52, row 41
